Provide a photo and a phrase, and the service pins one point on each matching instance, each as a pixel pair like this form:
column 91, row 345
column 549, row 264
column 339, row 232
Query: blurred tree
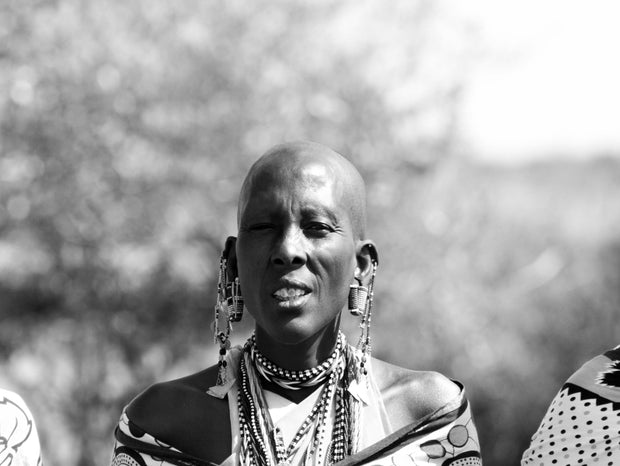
column 125, row 131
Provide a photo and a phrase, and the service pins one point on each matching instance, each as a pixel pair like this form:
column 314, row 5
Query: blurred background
column 487, row 133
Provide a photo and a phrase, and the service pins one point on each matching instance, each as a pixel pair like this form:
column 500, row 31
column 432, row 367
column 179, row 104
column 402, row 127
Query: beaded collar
column 294, row 380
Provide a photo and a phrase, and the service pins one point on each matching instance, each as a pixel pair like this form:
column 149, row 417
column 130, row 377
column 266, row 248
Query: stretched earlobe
column 231, row 279
column 358, row 296
column 230, row 254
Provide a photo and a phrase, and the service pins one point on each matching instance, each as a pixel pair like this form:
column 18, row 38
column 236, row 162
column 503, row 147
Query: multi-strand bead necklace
column 261, row 443
column 294, row 380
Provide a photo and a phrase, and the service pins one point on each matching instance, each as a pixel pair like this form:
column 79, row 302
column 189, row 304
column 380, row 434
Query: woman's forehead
column 292, row 177
column 311, row 188
column 296, row 169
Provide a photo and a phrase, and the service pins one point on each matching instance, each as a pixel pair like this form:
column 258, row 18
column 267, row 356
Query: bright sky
column 549, row 81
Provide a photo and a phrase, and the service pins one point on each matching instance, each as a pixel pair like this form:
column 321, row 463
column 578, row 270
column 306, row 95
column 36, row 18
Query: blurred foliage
column 126, row 129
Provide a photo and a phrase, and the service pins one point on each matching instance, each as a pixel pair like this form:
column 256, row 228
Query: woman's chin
column 291, row 332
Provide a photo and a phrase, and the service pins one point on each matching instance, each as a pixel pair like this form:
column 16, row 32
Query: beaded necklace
column 295, row 380
column 261, row 443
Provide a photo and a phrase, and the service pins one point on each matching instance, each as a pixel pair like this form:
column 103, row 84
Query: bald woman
column 297, row 393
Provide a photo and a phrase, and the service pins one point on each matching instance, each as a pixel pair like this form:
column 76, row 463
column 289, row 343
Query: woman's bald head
column 288, row 159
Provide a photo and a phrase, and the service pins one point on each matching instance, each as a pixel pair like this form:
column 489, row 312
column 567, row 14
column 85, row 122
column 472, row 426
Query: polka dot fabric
column 582, row 424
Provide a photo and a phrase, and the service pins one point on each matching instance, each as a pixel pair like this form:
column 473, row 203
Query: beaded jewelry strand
column 364, row 342
column 228, row 309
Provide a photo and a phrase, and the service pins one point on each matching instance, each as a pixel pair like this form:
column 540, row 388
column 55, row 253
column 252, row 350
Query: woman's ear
column 367, row 259
column 230, row 254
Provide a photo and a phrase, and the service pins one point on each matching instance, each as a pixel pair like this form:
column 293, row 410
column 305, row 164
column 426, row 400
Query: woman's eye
column 318, row 228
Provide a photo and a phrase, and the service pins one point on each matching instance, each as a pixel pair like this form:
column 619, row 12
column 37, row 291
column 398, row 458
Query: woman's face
column 296, row 251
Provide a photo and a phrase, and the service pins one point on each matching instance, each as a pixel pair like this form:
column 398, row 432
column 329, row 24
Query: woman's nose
column 290, row 249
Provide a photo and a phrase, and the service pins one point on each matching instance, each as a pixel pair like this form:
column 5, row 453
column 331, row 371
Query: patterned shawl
column 582, row 423
column 446, row 437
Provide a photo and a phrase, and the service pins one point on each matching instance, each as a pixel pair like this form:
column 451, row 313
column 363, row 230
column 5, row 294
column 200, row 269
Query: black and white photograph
column 309, row 233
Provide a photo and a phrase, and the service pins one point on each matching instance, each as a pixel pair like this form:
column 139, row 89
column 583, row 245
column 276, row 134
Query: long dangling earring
column 228, row 309
column 360, row 304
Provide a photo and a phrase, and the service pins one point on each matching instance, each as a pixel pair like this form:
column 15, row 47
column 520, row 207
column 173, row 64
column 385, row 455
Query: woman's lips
column 291, row 294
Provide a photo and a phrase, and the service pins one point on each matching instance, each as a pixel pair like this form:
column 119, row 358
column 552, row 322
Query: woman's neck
column 306, row 354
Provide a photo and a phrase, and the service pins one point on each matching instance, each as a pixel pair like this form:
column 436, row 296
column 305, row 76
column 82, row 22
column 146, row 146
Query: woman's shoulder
column 411, row 395
column 173, row 394
column 181, row 414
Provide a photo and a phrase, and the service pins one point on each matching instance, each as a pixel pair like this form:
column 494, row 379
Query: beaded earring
column 358, row 295
column 228, row 309
column 364, row 342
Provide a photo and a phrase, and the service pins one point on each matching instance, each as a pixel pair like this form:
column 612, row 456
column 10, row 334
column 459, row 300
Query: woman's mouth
column 291, row 297
column 287, row 294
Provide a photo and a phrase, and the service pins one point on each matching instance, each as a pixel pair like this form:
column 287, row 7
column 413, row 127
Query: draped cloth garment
column 582, row 423
column 19, row 441
column 446, row 437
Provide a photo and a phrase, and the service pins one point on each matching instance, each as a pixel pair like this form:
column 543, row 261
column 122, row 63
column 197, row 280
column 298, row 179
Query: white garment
column 288, row 416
